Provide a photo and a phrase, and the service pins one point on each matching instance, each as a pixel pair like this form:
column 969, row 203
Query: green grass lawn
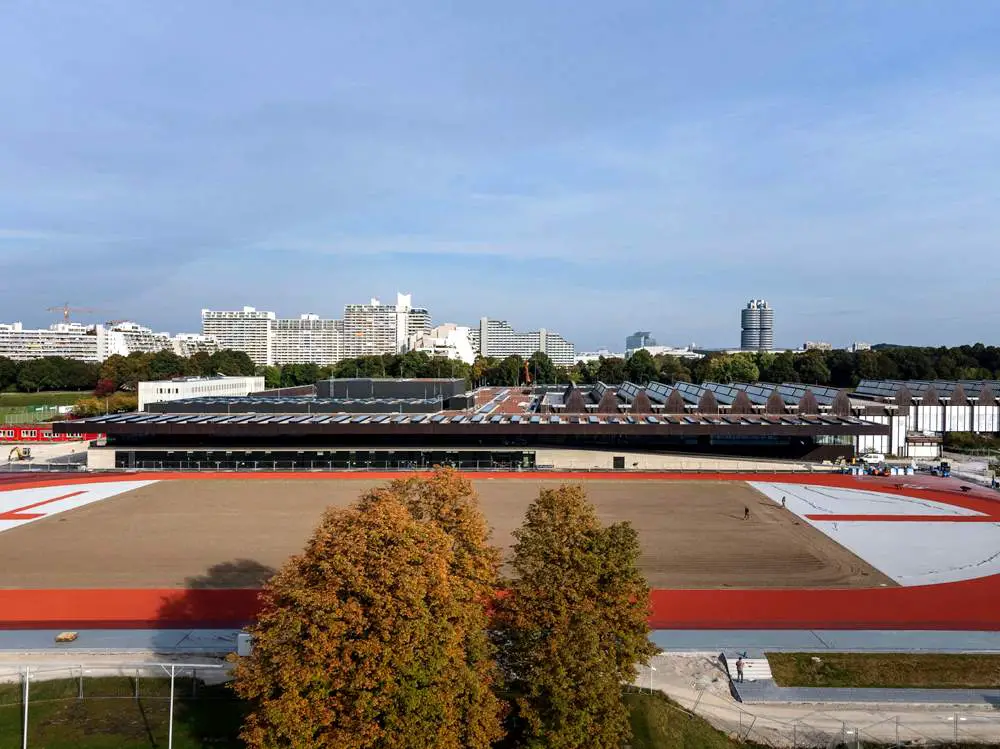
column 22, row 401
column 659, row 723
column 111, row 718
column 924, row 670
column 115, row 720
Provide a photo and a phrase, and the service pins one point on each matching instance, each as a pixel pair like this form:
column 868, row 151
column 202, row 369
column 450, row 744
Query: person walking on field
column 746, row 513
column 739, row 669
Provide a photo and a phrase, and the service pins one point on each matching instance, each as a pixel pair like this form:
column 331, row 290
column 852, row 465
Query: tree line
column 843, row 369
column 389, row 631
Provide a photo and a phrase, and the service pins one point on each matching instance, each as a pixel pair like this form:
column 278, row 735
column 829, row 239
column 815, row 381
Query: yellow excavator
column 18, row 453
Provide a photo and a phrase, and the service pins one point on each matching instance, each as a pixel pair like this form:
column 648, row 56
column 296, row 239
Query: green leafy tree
column 356, row 646
column 640, row 368
column 672, row 369
column 271, row 375
column 232, row 363
column 8, row 373
column 163, row 365
column 541, row 368
column 573, row 626
column 509, row 371
column 812, row 368
column 610, row 370
column 777, row 367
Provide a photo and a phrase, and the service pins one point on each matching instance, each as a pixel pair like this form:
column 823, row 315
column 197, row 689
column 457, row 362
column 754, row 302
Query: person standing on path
column 782, row 503
column 746, row 513
column 739, row 669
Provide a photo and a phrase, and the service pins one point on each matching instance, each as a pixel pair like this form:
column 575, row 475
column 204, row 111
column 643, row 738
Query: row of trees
column 388, row 630
column 835, row 368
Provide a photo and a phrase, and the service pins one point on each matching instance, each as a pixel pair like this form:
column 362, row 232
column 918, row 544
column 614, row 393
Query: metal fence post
column 79, row 694
column 135, row 689
column 27, row 692
column 795, row 735
column 170, row 724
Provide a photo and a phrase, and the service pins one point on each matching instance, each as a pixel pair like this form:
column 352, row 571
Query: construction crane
column 65, row 309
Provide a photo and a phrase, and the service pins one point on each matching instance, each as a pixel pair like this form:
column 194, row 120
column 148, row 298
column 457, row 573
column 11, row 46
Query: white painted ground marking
column 20, row 500
column 910, row 552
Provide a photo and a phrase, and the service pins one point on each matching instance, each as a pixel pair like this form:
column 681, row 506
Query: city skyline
column 835, row 159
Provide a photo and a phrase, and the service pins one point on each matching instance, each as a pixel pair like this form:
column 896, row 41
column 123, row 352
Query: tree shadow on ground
column 225, row 596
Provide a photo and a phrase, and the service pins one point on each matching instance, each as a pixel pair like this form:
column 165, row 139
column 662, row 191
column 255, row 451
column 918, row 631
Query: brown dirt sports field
column 231, row 533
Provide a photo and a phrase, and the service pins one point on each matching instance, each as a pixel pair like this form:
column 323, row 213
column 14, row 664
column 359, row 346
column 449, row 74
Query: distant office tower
column 247, row 330
column 757, row 322
column 639, row 339
column 497, row 338
column 307, row 339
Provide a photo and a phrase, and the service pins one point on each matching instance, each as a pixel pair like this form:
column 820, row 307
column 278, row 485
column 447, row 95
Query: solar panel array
column 470, row 419
column 628, row 391
column 658, row 392
column 877, row 389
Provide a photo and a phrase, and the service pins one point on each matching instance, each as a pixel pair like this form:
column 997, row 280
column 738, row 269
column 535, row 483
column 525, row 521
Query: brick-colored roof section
column 808, row 403
column 641, row 404
column 741, row 404
column 775, row 404
column 708, row 404
column 675, row 404
column 608, row 404
column 575, row 403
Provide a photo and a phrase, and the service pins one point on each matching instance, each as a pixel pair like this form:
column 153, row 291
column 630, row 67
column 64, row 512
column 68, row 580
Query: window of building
column 29, row 433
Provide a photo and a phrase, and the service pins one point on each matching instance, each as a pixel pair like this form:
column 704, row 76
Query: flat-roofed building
column 307, row 339
column 247, row 330
column 181, row 388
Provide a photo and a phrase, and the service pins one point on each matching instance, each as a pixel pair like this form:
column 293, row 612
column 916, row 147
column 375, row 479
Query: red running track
column 966, row 605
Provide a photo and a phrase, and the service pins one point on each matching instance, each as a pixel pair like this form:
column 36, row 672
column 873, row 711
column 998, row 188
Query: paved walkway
column 755, row 642
column 765, row 691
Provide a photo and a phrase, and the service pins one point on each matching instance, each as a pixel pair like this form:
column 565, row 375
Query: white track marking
column 16, row 499
column 910, row 552
column 806, row 499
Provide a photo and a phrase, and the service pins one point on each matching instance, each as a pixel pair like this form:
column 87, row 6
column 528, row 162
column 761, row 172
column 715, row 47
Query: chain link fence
column 42, row 705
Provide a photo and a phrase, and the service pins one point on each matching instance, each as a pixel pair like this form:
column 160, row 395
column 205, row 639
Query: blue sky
column 589, row 167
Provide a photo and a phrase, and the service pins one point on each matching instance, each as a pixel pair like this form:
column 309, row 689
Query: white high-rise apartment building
column 375, row 328
column 448, row 341
column 248, row 330
column 307, row 339
column 124, row 338
column 69, row 340
column 95, row 343
column 498, row 339
column 189, row 344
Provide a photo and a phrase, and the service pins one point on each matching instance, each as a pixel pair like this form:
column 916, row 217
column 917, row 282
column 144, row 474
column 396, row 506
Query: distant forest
column 841, row 369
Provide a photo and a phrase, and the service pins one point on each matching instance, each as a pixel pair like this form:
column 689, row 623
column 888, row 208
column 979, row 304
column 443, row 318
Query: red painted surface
column 18, row 513
column 968, row 605
column 908, row 518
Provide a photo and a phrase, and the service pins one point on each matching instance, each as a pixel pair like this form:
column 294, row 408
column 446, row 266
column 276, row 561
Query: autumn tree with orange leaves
column 573, row 626
column 368, row 639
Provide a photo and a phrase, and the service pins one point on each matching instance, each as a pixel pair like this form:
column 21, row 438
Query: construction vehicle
column 19, row 453
column 943, row 470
